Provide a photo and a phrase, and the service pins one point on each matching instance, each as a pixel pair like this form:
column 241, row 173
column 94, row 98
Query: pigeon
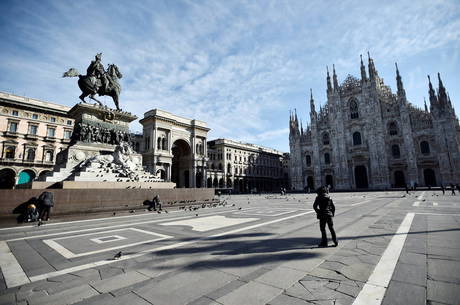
column 196, row 214
column 39, row 223
column 166, row 211
column 239, row 208
column 159, row 212
column 132, row 211
column 118, row 255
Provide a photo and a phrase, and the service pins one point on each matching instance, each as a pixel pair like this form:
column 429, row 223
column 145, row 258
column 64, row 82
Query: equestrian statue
column 98, row 81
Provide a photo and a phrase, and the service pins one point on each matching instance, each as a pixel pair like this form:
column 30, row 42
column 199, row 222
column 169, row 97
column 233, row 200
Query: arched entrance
column 229, row 182
column 361, row 177
column 430, row 177
column 215, row 183
column 329, row 181
column 181, row 163
column 221, row 183
column 26, row 176
column 400, row 180
column 209, row 183
column 7, row 178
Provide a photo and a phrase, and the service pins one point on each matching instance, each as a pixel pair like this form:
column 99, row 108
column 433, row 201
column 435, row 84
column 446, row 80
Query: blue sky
column 238, row 65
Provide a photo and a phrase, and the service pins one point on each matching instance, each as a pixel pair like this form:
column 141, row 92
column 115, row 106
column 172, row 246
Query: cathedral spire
column 363, row 70
column 328, row 79
column 312, row 102
column 442, row 96
column 334, row 77
column 371, row 67
column 433, row 98
column 424, row 102
column 399, row 83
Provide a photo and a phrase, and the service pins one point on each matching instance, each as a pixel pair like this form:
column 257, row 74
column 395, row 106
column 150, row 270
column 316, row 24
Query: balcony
column 65, row 141
column 12, row 134
column 50, row 139
column 31, row 136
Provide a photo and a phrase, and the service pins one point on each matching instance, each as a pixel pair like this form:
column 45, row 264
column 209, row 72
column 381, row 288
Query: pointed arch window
column 327, row 158
column 159, row 143
column 395, row 152
column 308, row 160
column 354, row 111
column 357, row 138
column 326, row 140
column 393, row 129
column 425, row 148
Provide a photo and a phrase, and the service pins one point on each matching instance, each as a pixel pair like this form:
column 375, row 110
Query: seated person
column 155, row 203
column 32, row 213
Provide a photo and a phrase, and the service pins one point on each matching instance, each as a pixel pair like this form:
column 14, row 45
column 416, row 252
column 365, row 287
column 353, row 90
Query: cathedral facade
column 367, row 137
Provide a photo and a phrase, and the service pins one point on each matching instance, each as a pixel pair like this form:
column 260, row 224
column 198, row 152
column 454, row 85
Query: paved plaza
column 252, row 249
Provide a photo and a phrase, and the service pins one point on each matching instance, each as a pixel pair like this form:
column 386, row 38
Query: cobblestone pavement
column 393, row 249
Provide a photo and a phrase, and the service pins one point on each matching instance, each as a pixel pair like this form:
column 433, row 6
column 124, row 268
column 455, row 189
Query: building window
column 357, row 138
column 10, row 152
column 220, row 166
column 69, row 122
column 15, row 113
column 12, row 126
column 51, row 132
column 425, row 147
column 67, row 133
column 33, row 129
column 35, row 116
column 354, row 113
column 393, row 129
column 49, row 156
column 53, row 120
column 327, row 158
column 326, row 139
column 30, row 154
column 164, row 144
column 308, row 159
column 159, row 143
column 395, row 152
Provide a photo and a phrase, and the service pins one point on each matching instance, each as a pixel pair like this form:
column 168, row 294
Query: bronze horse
column 90, row 85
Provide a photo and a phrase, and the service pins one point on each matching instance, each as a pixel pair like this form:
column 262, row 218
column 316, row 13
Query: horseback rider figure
column 96, row 69
column 98, row 81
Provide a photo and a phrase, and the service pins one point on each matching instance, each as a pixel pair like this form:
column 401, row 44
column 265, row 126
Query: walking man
column 325, row 210
column 443, row 189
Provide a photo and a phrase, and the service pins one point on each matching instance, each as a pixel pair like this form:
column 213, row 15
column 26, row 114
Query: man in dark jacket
column 325, row 210
column 46, row 201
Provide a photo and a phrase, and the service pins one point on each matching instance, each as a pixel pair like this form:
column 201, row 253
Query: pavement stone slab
column 410, row 274
column 284, row 299
column 399, row 293
column 68, row 296
column 119, row 281
column 446, row 293
column 252, row 293
column 281, row 277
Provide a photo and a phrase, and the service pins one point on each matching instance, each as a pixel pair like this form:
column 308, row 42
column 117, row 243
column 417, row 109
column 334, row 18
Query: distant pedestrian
column 407, row 190
column 452, row 188
column 155, row 203
column 325, row 211
column 443, row 189
column 46, row 201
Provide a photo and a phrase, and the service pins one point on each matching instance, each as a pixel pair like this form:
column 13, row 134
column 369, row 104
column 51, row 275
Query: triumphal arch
column 174, row 148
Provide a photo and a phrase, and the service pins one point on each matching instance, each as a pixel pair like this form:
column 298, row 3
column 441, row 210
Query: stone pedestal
column 99, row 152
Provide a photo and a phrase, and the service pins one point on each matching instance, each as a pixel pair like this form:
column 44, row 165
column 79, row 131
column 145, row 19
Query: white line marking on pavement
column 435, row 204
column 416, row 204
column 438, row 214
column 421, row 196
column 69, row 254
column 377, row 284
column 361, row 202
column 12, row 271
column 153, row 250
column 114, row 226
column 208, row 223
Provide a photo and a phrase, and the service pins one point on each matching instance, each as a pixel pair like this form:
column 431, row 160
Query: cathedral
column 367, row 137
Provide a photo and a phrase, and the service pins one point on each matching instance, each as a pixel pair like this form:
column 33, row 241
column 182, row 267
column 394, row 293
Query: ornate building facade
column 32, row 132
column 368, row 137
column 245, row 167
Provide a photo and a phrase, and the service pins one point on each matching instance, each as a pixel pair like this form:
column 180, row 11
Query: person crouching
column 325, row 210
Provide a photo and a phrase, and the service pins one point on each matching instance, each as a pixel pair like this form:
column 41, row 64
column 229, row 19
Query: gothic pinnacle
column 334, row 77
column 363, row 69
